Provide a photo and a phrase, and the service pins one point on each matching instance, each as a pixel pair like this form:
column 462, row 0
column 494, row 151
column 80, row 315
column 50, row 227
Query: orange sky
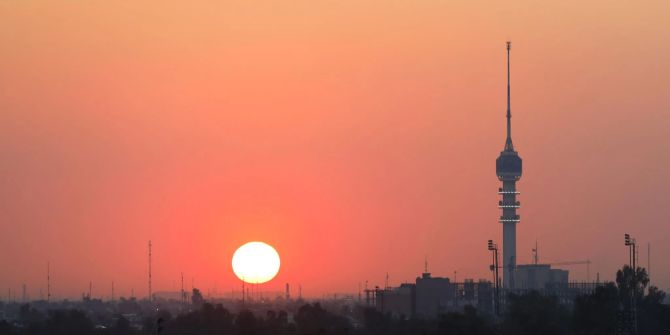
column 355, row 136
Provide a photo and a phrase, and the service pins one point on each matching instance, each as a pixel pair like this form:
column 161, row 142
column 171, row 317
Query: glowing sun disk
column 256, row 262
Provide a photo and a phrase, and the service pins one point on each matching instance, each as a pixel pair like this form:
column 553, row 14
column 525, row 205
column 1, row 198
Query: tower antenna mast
column 508, row 142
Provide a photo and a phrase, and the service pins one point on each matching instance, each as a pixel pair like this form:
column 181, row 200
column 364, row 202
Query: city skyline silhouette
column 357, row 139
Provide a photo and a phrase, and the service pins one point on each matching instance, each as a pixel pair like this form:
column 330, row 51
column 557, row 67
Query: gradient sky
column 357, row 137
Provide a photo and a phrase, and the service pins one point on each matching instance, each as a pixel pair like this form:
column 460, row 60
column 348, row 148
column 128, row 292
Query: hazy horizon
column 356, row 137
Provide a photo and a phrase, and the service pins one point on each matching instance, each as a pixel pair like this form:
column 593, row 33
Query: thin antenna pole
column 150, row 295
column 649, row 261
column 48, row 282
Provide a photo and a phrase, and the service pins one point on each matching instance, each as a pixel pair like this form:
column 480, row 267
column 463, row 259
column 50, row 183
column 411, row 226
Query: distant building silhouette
column 431, row 296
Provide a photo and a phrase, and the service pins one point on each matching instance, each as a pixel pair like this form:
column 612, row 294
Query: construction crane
column 536, row 259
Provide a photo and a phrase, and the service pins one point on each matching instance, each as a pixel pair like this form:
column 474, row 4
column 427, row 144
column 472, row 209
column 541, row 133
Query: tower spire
column 508, row 142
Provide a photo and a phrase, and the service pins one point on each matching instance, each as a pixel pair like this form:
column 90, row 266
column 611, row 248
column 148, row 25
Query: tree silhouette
column 534, row 313
column 197, row 299
column 62, row 322
column 596, row 313
column 314, row 320
column 122, row 327
column 466, row 323
column 631, row 282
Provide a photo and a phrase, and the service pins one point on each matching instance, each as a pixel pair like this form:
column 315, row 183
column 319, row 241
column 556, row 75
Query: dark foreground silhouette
column 602, row 312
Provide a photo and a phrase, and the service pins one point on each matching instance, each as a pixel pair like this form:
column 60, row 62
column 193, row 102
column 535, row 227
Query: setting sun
column 256, row 262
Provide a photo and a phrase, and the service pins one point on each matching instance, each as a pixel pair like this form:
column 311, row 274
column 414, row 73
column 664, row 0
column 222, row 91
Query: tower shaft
column 509, row 219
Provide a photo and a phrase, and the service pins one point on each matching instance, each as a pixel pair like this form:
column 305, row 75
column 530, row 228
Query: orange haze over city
column 356, row 137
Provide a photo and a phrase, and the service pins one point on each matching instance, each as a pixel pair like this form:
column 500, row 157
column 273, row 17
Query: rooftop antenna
column 425, row 264
column 386, row 282
column 150, row 296
column 24, row 297
column 112, row 290
column 535, row 254
column 90, row 289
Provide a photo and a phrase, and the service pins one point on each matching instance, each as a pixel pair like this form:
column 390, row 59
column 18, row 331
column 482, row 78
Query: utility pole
column 630, row 243
column 183, row 293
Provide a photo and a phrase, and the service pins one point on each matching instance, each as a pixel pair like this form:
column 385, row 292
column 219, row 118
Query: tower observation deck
column 508, row 170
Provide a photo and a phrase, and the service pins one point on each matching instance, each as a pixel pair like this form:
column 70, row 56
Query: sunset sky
column 357, row 137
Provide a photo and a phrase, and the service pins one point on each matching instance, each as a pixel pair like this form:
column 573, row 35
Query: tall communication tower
column 508, row 170
column 150, row 295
